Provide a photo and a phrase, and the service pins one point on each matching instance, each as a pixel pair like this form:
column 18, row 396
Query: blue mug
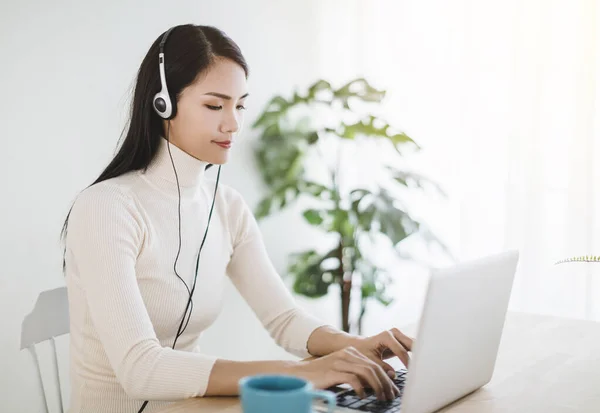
column 280, row 393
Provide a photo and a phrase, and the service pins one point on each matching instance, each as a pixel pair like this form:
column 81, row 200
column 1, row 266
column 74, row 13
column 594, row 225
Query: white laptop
column 457, row 341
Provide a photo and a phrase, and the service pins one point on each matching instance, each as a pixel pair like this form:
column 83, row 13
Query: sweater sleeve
column 105, row 234
column 253, row 274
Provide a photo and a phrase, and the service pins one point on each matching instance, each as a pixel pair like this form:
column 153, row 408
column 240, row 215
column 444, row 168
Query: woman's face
column 210, row 113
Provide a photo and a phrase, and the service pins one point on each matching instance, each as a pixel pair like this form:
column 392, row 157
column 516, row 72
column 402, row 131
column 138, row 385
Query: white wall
column 65, row 78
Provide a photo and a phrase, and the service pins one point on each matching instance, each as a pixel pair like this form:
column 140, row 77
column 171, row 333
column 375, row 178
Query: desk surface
column 545, row 365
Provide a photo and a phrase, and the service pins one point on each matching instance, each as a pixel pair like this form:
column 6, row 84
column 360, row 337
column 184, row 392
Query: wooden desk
column 545, row 365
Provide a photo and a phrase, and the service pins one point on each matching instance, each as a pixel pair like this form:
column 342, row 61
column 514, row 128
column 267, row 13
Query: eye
column 211, row 107
column 241, row 107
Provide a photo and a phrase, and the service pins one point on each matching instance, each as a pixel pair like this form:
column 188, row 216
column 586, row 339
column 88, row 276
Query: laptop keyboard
column 350, row 400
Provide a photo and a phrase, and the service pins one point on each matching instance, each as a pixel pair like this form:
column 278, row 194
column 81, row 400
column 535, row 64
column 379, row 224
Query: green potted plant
column 290, row 140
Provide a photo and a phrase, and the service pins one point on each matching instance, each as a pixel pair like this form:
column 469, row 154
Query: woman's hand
column 350, row 366
column 383, row 346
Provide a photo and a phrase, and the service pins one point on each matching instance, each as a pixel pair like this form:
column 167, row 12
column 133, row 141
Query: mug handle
column 326, row 395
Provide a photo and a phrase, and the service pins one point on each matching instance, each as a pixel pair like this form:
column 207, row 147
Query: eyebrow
column 222, row 96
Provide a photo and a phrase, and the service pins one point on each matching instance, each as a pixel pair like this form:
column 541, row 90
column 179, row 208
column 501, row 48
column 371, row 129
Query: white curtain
column 503, row 97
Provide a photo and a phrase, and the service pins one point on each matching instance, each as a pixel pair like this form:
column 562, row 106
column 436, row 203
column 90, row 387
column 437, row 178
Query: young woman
column 149, row 243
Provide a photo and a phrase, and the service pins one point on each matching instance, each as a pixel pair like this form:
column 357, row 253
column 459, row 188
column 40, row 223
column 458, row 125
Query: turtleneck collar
column 190, row 170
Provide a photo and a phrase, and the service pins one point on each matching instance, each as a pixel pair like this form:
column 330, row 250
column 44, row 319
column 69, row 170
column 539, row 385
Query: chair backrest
column 48, row 320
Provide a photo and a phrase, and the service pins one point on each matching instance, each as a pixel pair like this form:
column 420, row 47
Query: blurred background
column 501, row 96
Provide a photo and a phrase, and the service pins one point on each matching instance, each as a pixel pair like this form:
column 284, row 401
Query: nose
column 230, row 123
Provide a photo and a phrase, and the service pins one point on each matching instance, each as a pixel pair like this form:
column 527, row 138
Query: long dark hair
column 189, row 51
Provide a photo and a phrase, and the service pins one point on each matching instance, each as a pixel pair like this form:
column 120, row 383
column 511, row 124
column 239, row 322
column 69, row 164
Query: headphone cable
column 190, row 304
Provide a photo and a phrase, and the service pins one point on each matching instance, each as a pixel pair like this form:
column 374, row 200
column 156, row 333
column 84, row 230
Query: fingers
column 367, row 375
column 405, row 340
column 389, row 370
column 370, row 371
column 393, row 344
column 380, row 370
column 353, row 381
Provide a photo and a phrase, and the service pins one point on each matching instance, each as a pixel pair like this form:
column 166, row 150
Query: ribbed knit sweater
column 126, row 302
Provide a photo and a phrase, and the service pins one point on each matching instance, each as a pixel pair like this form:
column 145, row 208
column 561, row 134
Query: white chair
column 48, row 320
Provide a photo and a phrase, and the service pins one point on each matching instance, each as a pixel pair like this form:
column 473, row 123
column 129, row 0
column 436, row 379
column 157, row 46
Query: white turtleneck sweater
column 126, row 302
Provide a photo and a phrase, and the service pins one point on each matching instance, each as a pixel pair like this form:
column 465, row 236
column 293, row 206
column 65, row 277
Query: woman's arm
column 254, row 276
column 226, row 374
column 326, row 340
column 252, row 273
column 343, row 366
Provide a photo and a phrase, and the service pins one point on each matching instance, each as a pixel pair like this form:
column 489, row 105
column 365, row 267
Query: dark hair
column 189, row 51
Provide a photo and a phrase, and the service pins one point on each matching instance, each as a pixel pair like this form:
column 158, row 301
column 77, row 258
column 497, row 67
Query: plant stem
column 345, row 289
column 363, row 309
column 344, row 275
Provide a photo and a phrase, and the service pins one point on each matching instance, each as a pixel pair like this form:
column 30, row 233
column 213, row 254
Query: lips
column 224, row 144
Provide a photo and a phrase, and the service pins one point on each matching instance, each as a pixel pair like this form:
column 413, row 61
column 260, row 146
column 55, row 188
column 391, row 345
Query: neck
column 190, row 170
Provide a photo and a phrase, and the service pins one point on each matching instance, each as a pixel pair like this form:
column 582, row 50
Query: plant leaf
column 368, row 289
column 309, row 278
column 313, row 217
column 313, row 188
column 375, row 128
column 317, row 87
column 263, row 208
column 274, row 110
column 267, row 118
column 379, row 209
column 395, row 223
column 414, row 180
column 360, row 89
column 383, row 299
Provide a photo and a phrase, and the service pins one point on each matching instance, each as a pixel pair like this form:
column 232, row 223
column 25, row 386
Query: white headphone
column 162, row 102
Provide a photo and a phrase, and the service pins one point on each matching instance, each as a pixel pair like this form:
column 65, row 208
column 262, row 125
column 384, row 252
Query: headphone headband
column 161, row 46
column 162, row 101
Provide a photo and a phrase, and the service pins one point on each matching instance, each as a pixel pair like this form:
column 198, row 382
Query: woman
column 152, row 225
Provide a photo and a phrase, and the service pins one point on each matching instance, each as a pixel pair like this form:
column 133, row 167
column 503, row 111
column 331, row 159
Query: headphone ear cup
column 162, row 106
